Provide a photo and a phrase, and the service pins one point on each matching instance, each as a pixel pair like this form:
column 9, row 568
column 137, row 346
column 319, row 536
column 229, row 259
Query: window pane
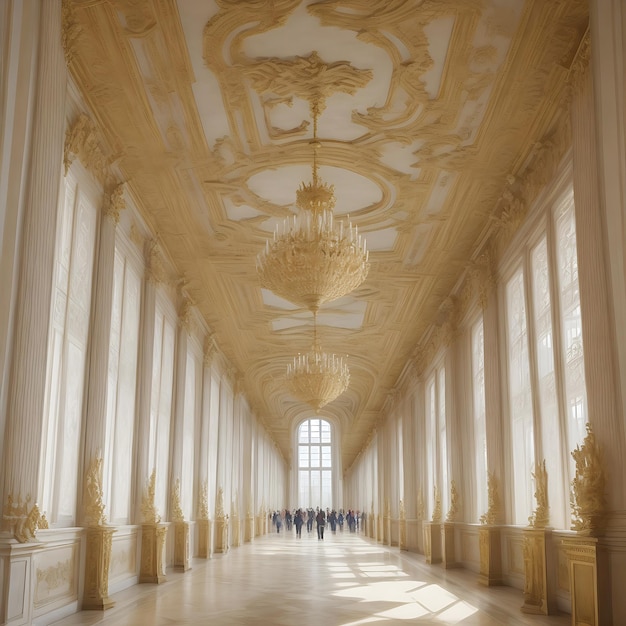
column 480, row 427
column 520, row 398
column 304, row 433
column 575, row 391
column 315, row 486
column 326, row 456
column 303, row 456
column 315, row 456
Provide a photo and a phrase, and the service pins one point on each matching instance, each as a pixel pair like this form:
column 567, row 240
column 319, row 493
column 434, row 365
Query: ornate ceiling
column 432, row 110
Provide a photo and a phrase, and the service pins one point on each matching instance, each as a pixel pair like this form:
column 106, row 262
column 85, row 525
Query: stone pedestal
column 258, row 531
column 402, row 534
column 447, row 545
column 97, row 561
column 538, row 585
column 204, row 538
column 182, row 559
column 489, row 541
column 221, row 535
column 432, row 542
column 152, row 569
column 249, row 534
column 588, row 581
column 236, row 531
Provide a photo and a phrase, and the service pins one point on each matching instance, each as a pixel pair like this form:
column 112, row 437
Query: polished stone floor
column 345, row 580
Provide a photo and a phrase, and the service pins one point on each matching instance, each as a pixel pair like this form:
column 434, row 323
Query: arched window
column 315, row 464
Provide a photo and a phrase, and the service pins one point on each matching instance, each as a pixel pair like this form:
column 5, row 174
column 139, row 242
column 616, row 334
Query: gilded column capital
column 114, row 203
column 155, row 267
column 210, row 349
column 70, row 31
column 82, row 141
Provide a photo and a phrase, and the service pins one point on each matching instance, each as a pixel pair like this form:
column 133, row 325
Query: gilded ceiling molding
column 308, row 78
column 114, row 203
column 81, row 140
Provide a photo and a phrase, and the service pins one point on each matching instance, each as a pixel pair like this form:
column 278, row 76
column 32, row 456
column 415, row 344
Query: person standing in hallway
column 321, row 522
column 298, row 522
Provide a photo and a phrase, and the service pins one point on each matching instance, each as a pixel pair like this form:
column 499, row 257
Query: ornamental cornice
column 82, row 140
column 114, row 203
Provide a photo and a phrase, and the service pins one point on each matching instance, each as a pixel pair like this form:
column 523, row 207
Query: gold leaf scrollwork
column 493, row 501
column 177, row 512
column 21, row 521
column 587, row 498
column 203, row 501
column 437, row 507
column 93, row 500
column 541, row 515
column 148, row 508
column 219, row 504
column 453, row 511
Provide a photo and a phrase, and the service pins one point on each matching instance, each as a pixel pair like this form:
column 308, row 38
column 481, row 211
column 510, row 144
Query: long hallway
column 346, row 580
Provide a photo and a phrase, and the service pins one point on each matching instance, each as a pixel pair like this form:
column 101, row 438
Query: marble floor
column 345, row 580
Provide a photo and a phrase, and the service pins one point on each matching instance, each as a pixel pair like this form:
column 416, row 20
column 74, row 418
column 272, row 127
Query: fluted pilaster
column 27, row 388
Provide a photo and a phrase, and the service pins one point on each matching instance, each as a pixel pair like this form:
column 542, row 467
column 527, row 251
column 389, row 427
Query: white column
column 178, row 414
column 27, row 388
column 100, row 334
column 144, row 380
column 493, row 400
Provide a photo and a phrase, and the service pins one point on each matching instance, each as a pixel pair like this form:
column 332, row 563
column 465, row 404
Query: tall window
column 436, row 450
column 546, row 385
column 315, row 464
column 520, row 398
column 122, row 384
column 480, row 425
column 68, row 353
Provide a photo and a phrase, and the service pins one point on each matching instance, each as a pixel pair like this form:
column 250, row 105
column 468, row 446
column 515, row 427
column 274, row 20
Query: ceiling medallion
column 316, row 377
column 313, row 259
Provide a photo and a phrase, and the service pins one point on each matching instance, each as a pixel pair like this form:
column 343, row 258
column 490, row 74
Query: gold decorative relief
column 177, row 512
column 93, row 502
column 453, row 511
column 70, row 30
column 156, row 271
column 308, row 78
column 437, row 507
column 541, row 515
column 493, row 501
column 148, row 507
column 20, row 519
column 588, row 492
column 54, row 577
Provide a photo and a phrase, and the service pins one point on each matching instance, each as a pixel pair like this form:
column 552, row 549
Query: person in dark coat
column 298, row 521
column 321, row 522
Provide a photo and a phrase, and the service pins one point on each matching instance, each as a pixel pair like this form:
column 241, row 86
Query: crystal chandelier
column 316, row 377
column 312, row 258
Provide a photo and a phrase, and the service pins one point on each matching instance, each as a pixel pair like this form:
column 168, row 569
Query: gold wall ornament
column 70, row 31
column 541, row 515
column 588, row 489
column 177, row 512
column 148, row 507
column 155, row 267
column 93, row 497
column 437, row 508
column 493, row 501
column 203, row 501
column 20, row 520
column 453, row 511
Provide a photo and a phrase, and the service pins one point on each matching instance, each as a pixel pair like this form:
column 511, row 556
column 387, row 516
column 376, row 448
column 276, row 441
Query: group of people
column 309, row 516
